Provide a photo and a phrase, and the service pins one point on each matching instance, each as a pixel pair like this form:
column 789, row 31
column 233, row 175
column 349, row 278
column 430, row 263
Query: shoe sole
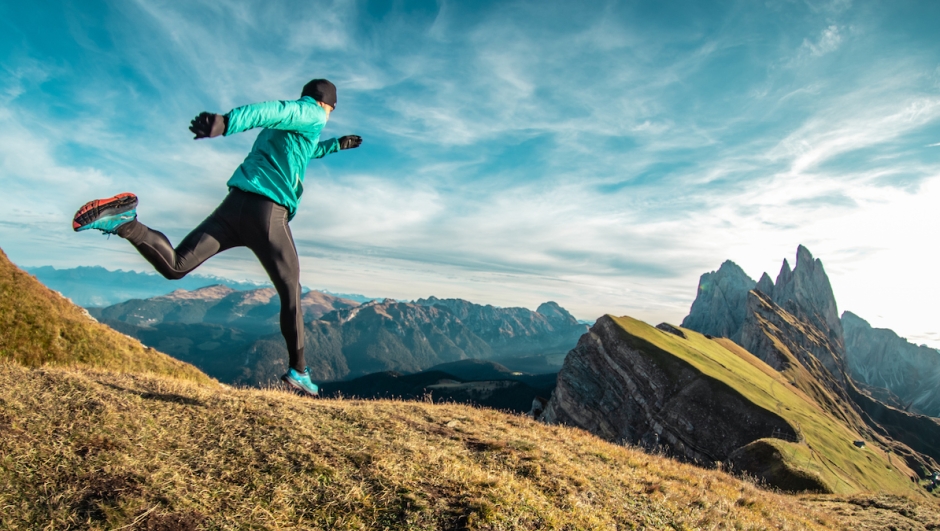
column 297, row 387
column 95, row 210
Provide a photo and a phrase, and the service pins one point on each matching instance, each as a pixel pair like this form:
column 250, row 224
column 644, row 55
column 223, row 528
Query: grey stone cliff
column 718, row 309
column 626, row 390
column 879, row 358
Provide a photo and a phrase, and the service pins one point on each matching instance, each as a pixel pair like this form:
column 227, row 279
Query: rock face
column 720, row 306
column 808, row 288
column 718, row 309
column 879, row 358
column 787, row 340
column 624, row 390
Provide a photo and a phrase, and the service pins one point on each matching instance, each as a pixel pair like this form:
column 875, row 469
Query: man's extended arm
column 303, row 115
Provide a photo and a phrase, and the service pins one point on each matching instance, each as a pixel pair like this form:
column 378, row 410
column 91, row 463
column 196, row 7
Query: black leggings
column 243, row 219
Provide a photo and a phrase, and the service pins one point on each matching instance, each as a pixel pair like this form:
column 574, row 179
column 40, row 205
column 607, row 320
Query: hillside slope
column 38, row 327
column 151, row 452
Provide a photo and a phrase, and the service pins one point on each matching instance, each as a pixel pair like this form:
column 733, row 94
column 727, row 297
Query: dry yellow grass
column 99, row 450
column 40, row 327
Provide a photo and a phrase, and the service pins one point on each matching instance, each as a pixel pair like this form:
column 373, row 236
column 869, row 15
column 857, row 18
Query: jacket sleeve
column 325, row 148
column 302, row 116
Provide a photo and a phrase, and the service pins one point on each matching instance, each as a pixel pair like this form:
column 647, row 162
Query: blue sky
column 515, row 152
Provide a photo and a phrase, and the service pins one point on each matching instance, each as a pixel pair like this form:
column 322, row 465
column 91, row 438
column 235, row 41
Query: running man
column 263, row 197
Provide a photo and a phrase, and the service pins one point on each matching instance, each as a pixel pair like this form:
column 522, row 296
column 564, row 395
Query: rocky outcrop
column 808, row 288
column 880, row 358
column 718, row 309
column 788, row 340
column 624, row 389
column 765, row 285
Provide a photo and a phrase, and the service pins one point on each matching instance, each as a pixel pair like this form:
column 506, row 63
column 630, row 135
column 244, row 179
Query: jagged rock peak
column 719, row 305
column 807, row 285
column 765, row 285
column 785, row 276
column 554, row 312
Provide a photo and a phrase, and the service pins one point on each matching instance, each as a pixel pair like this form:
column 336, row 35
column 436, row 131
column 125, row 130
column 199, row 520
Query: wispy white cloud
column 828, row 41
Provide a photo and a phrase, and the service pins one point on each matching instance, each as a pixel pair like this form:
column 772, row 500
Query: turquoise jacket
column 276, row 165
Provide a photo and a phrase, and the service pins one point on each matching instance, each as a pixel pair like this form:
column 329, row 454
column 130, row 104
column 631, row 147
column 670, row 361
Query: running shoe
column 301, row 382
column 106, row 215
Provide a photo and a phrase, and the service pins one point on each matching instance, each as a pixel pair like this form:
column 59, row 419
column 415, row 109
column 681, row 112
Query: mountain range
column 233, row 335
column 99, row 287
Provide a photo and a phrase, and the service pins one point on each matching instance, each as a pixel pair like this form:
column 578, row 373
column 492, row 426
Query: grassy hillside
column 826, row 452
column 109, row 450
column 38, row 327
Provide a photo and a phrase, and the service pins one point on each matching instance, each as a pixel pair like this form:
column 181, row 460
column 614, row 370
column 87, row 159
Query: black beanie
column 321, row 90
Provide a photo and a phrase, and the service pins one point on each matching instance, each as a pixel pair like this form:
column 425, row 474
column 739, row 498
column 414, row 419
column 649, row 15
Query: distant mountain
column 99, row 287
column 214, row 327
column 234, row 335
column 545, row 334
column 254, row 311
column 719, row 305
column 793, row 326
column 718, row 308
column 880, row 358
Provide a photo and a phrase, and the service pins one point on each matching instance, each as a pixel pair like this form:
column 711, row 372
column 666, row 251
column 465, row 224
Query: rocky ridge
column 881, row 359
column 711, row 402
column 624, row 389
column 718, row 308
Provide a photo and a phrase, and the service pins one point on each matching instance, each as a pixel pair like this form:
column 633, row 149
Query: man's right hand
column 349, row 142
column 208, row 125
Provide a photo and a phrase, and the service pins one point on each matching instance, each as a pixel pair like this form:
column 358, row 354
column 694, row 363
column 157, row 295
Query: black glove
column 209, row 125
column 349, row 142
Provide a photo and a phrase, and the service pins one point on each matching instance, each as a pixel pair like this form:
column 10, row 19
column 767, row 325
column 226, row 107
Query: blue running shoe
column 301, row 382
column 106, row 215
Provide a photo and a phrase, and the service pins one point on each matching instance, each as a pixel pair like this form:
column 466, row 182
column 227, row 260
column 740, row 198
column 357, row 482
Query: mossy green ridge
column 825, row 454
column 40, row 327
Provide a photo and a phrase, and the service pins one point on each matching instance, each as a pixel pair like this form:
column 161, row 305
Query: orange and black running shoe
column 106, row 215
